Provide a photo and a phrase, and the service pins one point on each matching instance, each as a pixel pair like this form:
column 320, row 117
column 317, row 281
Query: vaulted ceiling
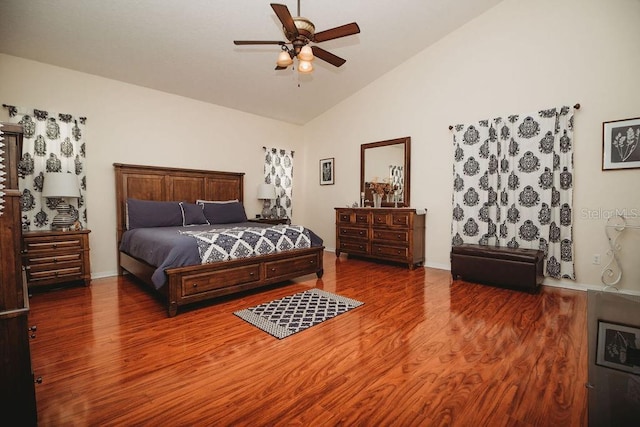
column 186, row 47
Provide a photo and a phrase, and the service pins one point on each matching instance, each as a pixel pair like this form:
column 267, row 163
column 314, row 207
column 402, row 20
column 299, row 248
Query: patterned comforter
column 243, row 242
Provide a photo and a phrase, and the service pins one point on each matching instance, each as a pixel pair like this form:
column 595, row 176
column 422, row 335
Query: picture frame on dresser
column 327, row 171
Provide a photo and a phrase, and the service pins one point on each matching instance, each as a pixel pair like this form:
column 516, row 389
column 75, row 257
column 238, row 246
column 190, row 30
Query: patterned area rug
column 295, row 313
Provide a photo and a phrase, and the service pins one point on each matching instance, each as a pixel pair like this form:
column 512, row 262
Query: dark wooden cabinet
column 393, row 234
column 52, row 257
column 17, row 391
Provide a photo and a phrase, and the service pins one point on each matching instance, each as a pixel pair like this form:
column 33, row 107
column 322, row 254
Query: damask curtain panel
column 278, row 170
column 513, row 185
column 52, row 142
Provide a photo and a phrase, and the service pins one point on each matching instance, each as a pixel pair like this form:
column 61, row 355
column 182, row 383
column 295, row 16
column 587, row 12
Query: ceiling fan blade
column 244, row 42
column 280, row 68
column 285, row 17
column 332, row 59
column 337, row 32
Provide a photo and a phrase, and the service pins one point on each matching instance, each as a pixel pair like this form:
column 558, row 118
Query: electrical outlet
column 596, row 259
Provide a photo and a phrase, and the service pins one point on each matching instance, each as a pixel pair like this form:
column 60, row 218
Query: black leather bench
column 520, row 269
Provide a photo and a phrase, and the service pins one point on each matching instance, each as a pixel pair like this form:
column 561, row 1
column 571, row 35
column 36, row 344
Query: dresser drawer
column 344, row 217
column 380, row 219
column 197, row 283
column 362, row 233
column 400, row 236
column 354, row 247
column 392, row 252
column 400, row 219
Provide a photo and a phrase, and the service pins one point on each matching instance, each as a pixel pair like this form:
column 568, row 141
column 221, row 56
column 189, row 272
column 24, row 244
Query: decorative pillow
column 192, row 214
column 149, row 213
column 224, row 213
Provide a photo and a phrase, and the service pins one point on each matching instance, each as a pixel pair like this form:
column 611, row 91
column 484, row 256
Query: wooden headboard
column 172, row 184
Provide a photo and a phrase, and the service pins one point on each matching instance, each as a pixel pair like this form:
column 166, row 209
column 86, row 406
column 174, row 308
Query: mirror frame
column 406, row 141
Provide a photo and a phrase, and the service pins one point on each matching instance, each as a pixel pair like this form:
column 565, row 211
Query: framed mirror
column 385, row 168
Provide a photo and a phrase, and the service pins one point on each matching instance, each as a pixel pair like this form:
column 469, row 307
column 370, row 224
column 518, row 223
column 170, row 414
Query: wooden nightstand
column 272, row 221
column 51, row 257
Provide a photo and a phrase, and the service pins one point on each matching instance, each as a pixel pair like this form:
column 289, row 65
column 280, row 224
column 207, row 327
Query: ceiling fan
column 300, row 32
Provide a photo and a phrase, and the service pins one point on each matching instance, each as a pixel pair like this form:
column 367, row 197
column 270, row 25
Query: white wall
column 520, row 56
column 131, row 124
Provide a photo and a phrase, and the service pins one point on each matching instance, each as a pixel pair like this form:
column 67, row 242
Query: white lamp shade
column 266, row 191
column 60, row 184
column 306, row 54
column 284, row 60
column 305, row 67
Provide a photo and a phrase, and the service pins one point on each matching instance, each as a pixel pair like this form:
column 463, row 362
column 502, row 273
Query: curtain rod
column 577, row 107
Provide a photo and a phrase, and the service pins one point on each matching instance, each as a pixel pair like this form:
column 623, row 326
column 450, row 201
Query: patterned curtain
column 513, row 185
column 278, row 170
column 52, row 142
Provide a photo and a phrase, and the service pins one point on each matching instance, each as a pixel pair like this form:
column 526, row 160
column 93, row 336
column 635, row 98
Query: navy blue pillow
column 192, row 214
column 149, row 213
column 224, row 213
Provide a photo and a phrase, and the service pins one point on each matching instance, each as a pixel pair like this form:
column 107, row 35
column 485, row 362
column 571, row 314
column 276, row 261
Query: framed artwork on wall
column 618, row 347
column 327, row 171
column 620, row 140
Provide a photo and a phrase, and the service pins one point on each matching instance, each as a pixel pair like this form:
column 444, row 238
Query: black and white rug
column 295, row 313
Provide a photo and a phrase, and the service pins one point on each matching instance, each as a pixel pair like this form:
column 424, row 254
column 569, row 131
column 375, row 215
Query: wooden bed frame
column 191, row 284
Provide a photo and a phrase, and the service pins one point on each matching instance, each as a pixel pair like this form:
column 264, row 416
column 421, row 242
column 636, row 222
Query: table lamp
column 61, row 185
column 266, row 192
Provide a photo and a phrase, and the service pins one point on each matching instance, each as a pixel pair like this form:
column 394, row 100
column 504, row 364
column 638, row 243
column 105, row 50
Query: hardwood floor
column 421, row 351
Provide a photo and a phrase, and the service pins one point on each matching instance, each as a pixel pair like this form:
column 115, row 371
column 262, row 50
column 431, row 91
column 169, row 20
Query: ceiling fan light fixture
column 305, row 67
column 306, row 54
column 284, row 60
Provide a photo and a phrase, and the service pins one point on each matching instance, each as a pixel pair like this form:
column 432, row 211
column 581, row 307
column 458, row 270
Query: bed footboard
column 187, row 285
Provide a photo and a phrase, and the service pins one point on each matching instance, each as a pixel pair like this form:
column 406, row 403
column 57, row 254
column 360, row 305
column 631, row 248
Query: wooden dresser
column 52, row 257
column 17, row 389
column 391, row 234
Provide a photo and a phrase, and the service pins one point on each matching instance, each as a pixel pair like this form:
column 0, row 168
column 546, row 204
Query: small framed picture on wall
column 327, row 171
column 621, row 139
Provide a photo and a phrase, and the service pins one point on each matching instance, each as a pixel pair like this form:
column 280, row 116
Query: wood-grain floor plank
column 422, row 350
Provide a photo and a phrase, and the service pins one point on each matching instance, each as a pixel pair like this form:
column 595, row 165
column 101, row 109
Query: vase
column 377, row 200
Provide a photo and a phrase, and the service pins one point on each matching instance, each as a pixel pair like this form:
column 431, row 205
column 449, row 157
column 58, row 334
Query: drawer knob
column 312, row 261
column 55, row 246
column 273, row 269
column 252, row 274
column 195, row 285
column 38, row 380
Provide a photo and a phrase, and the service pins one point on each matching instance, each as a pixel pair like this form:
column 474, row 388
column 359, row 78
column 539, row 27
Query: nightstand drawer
column 58, row 274
column 52, row 259
column 32, row 244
